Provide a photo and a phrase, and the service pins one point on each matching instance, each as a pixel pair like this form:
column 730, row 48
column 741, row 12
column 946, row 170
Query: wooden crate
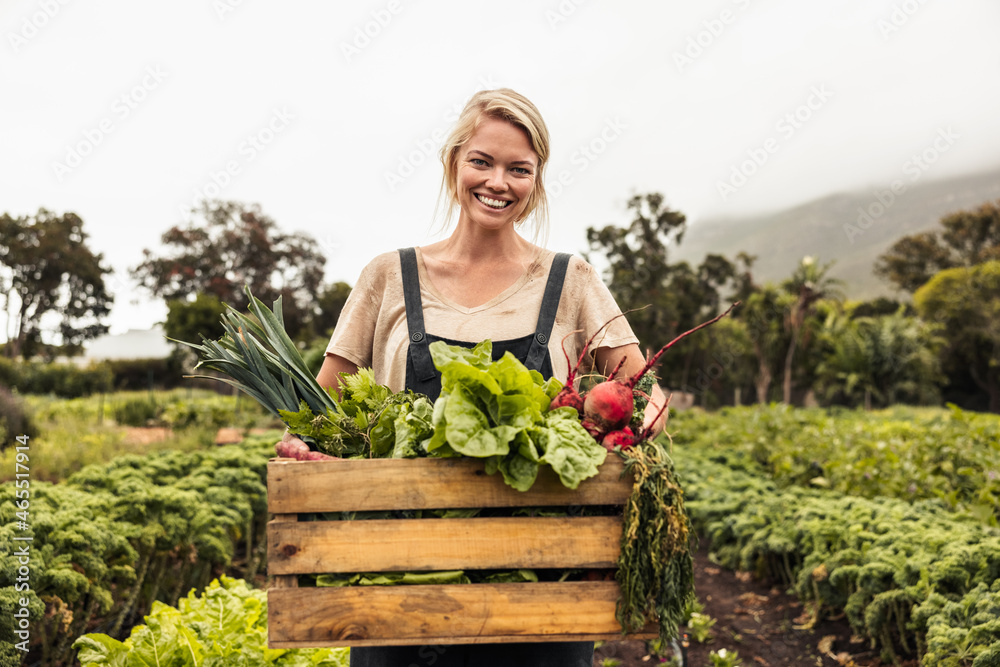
column 436, row 614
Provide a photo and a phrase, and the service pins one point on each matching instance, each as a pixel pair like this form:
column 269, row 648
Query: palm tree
column 808, row 284
column 881, row 358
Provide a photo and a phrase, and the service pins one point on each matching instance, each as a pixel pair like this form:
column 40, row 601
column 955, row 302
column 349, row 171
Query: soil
column 757, row 620
column 141, row 435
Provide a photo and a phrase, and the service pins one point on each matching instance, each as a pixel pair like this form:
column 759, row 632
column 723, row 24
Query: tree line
column 801, row 339
column 794, row 341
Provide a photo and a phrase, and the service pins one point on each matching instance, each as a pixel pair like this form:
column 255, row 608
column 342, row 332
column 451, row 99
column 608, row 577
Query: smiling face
column 496, row 174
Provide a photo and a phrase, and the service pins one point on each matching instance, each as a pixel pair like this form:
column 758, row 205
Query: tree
column 967, row 238
column 663, row 299
column 764, row 315
column 808, row 284
column 192, row 321
column 51, row 281
column 328, row 306
column 639, row 273
column 880, row 359
column 236, row 245
column 966, row 301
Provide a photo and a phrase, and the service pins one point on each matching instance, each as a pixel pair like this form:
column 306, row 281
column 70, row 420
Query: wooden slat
column 447, row 614
column 401, row 484
column 285, row 581
column 442, row 544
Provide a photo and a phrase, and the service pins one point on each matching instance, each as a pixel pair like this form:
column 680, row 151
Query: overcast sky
column 330, row 114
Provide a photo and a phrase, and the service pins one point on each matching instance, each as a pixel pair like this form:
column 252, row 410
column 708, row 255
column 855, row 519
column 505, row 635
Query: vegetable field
column 888, row 519
column 885, row 520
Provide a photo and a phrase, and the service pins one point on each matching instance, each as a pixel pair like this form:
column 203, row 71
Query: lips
column 497, row 204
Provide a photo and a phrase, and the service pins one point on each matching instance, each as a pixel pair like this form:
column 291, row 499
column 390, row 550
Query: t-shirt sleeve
column 354, row 336
column 586, row 306
column 598, row 308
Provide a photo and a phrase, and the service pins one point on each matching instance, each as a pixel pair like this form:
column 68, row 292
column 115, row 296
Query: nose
column 496, row 179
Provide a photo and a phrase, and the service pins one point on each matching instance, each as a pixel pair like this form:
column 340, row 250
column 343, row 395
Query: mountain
column 852, row 229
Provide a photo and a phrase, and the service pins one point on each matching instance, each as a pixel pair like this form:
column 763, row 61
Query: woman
column 484, row 281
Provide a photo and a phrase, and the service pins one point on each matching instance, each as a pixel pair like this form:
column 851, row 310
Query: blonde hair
column 516, row 109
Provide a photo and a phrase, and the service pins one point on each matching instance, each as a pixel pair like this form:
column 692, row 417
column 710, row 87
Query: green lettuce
column 392, row 578
column 226, row 625
column 499, row 411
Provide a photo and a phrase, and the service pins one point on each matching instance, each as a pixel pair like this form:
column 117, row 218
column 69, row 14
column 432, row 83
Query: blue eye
column 477, row 161
column 523, row 171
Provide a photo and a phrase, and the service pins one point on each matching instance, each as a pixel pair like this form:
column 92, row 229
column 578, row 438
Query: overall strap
column 423, row 365
column 547, row 314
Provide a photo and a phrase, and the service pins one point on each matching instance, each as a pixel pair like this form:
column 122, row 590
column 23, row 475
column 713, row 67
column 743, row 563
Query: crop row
column 914, row 578
column 907, row 453
column 114, row 538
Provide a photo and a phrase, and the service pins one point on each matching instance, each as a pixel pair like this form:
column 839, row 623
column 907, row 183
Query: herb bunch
column 655, row 567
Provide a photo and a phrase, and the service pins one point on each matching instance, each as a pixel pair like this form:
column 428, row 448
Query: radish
column 316, row 456
column 291, row 449
column 608, row 406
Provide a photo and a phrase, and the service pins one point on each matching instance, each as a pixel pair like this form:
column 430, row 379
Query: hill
column 832, row 228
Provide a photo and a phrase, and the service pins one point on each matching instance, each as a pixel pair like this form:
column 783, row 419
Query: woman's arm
column 608, row 357
column 333, row 366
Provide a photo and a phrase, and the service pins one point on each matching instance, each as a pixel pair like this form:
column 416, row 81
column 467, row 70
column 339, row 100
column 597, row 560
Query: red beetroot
column 623, row 439
column 568, row 395
column 609, row 405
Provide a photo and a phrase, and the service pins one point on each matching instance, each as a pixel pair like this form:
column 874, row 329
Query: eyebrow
column 490, row 157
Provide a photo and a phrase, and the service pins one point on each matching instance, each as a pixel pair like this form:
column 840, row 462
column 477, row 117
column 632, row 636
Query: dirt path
column 760, row 622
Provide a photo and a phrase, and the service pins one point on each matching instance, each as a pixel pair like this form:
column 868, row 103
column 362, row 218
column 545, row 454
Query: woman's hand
column 329, row 376
column 653, row 420
column 291, row 447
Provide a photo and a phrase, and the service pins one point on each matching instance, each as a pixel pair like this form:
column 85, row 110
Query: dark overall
column 421, row 376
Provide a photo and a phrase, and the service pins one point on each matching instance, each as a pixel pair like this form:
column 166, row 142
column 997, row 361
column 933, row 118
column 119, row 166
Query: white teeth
column 493, row 203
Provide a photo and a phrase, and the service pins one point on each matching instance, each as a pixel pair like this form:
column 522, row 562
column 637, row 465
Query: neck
column 471, row 242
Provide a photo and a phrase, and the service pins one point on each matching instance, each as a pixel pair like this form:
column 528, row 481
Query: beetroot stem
column 656, row 357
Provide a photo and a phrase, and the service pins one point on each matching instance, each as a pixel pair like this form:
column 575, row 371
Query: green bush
column 137, row 412
column 14, row 419
column 139, row 374
column 908, row 453
column 63, row 380
column 114, row 538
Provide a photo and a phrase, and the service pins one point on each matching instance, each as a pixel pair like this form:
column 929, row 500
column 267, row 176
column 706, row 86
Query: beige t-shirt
column 372, row 332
